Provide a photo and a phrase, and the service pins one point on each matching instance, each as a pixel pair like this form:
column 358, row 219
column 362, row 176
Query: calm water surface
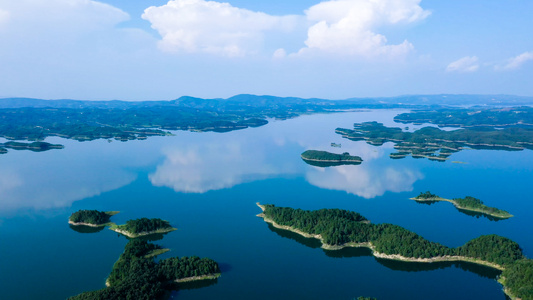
column 207, row 184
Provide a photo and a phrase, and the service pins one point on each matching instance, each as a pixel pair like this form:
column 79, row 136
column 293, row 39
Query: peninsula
column 436, row 144
column 327, row 159
column 340, row 228
column 143, row 227
column 92, row 218
column 35, row 146
column 467, row 203
column 136, row 275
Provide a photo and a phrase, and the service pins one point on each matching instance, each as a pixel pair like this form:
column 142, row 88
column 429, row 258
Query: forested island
column 137, row 276
column 340, row 228
column 467, row 203
column 436, row 144
column 35, row 146
column 142, row 227
column 328, row 159
column 92, row 218
column 496, row 117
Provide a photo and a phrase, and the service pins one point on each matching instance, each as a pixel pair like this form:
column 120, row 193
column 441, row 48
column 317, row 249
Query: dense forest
column 518, row 279
column 500, row 117
column 145, row 225
column 472, row 203
column 91, row 217
column 337, row 227
column 327, row 159
column 134, row 276
column 437, row 144
column 426, row 196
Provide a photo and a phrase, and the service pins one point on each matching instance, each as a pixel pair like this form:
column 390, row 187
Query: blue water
column 207, row 184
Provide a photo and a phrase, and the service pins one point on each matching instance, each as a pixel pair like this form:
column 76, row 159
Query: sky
column 336, row 49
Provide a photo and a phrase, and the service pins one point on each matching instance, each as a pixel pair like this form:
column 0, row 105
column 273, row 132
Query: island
column 327, row 159
column 337, row 229
column 35, row 146
column 471, row 117
column 436, row 144
column 91, row 218
column 143, row 227
column 467, row 203
column 136, row 275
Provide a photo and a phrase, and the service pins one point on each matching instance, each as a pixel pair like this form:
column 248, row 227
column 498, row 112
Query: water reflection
column 351, row 252
column 364, row 181
column 86, row 229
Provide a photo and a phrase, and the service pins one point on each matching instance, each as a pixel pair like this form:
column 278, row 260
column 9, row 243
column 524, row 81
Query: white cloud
column 517, row 61
column 349, row 26
column 67, row 15
column 464, row 65
column 213, row 27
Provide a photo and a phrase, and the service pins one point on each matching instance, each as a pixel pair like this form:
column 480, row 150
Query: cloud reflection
column 364, row 181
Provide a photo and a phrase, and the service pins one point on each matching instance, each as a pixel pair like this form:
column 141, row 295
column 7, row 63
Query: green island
column 366, row 298
column 34, row 146
column 496, row 117
column 467, row 203
column 142, row 227
column 436, row 144
column 327, row 159
column 91, row 218
column 137, row 276
column 337, row 229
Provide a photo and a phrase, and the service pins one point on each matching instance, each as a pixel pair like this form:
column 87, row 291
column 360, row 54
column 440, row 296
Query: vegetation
column 500, row 117
column 92, row 217
column 326, row 159
column 366, row 298
column 427, row 196
column 518, row 279
column 137, row 276
column 466, row 204
column 474, row 204
column 339, row 227
column 145, row 225
column 436, row 144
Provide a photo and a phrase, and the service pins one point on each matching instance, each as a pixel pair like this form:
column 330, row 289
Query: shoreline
column 198, row 278
column 87, row 224
column 136, row 235
column 379, row 254
column 463, row 208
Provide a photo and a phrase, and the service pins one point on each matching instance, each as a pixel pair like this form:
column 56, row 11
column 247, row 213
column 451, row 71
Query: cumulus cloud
column 213, row 27
column 464, row 65
column 349, row 26
column 517, row 61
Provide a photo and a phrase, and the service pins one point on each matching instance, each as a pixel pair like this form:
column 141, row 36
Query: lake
column 207, row 184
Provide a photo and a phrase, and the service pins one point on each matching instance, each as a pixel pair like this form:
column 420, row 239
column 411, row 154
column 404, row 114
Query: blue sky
column 160, row 50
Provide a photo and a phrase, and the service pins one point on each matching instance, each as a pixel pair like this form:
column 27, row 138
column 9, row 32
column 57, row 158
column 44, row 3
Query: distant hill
column 255, row 101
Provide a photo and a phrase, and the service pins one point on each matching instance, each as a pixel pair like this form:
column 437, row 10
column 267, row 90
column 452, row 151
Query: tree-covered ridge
column 336, row 229
column 500, row 117
column 394, row 240
column 426, row 196
column 93, row 217
column 145, row 225
column 518, row 278
column 467, row 203
column 327, row 159
column 437, row 144
column 475, row 204
column 136, row 276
